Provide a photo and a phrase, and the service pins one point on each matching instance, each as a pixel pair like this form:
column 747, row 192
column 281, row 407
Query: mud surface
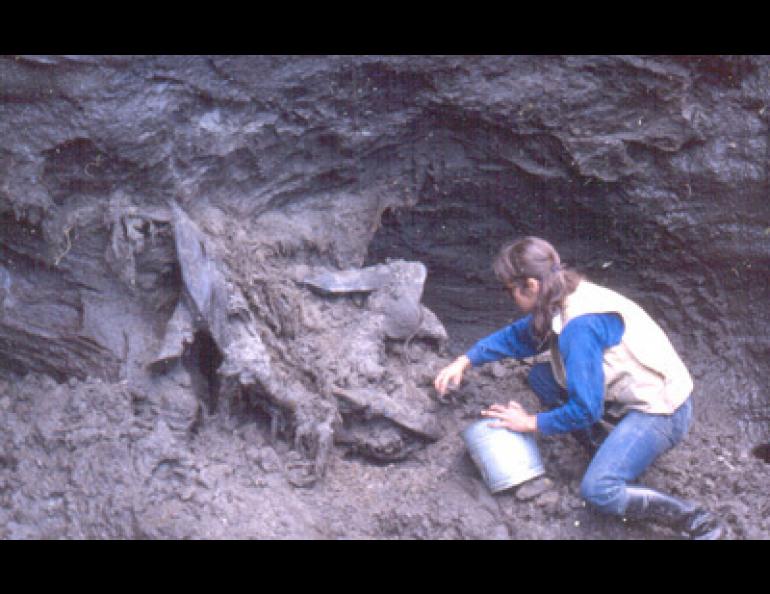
column 226, row 284
column 79, row 462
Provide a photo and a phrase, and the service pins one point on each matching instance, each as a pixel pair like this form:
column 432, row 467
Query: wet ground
column 79, row 462
column 649, row 173
column 439, row 493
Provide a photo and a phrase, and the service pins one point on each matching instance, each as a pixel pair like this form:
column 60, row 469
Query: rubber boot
column 684, row 516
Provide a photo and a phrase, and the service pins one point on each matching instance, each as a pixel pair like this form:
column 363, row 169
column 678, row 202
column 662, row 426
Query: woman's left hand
column 512, row 417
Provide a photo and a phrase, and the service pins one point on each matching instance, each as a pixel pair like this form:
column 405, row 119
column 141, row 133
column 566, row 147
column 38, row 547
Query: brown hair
column 532, row 257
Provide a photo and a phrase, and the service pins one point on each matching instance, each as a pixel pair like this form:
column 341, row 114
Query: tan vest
column 643, row 372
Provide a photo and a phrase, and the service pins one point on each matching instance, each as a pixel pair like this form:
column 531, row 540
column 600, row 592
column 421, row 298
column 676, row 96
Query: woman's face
column 525, row 297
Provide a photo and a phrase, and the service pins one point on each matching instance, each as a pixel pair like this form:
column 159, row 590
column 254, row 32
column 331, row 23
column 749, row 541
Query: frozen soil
column 647, row 172
column 79, row 462
column 439, row 494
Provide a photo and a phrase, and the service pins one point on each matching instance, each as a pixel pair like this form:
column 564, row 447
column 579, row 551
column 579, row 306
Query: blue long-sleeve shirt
column 582, row 344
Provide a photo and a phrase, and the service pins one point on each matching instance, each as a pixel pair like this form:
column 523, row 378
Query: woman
column 607, row 356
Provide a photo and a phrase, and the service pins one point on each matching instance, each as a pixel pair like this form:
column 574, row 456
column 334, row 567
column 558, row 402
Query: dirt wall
column 198, row 237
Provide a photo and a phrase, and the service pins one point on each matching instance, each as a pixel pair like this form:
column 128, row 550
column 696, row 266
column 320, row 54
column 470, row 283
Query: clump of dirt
column 286, row 397
column 438, row 493
column 84, row 460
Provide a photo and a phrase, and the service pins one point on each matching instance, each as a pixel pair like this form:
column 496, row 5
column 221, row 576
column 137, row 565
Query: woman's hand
column 512, row 417
column 451, row 375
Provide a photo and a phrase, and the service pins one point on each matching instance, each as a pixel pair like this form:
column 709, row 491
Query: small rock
column 575, row 503
column 269, row 460
column 533, row 488
column 496, row 370
column 206, row 478
column 548, row 499
column 254, row 454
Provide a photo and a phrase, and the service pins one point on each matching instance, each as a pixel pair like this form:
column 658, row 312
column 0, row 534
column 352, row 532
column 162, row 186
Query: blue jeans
column 635, row 443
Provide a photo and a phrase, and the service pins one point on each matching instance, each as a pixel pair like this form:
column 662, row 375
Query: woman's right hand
column 451, row 375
